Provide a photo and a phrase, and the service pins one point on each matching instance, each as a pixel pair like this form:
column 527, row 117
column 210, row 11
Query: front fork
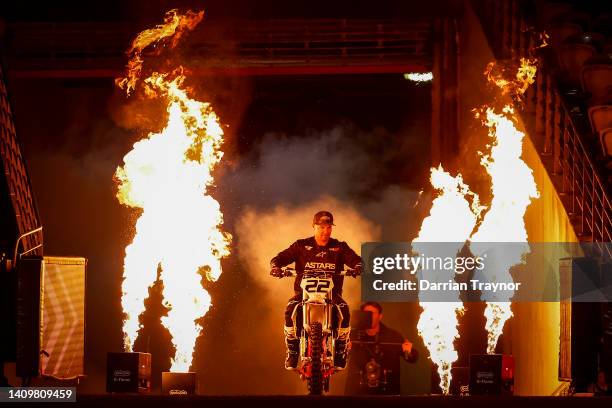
column 317, row 312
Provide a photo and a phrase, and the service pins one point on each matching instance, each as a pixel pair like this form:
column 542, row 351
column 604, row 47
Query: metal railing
column 248, row 44
column 18, row 255
column 552, row 128
column 18, row 186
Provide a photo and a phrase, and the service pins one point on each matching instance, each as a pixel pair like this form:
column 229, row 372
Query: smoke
column 294, row 170
column 286, row 224
column 262, row 234
column 344, row 162
column 270, row 199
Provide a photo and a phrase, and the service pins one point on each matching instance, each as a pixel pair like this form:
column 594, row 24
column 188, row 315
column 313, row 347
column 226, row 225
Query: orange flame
column 525, row 76
column 544, row 37
column 167, row 175
column 173, row 28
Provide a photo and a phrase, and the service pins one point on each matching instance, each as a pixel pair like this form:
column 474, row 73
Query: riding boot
column 341, row 348
column 293, row 349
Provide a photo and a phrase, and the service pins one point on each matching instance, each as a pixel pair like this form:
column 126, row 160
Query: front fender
column 316, row 312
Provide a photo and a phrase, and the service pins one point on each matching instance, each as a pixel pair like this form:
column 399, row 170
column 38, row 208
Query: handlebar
column 316, row 272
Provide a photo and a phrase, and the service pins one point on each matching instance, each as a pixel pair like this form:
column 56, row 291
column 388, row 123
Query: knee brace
column 290, row 333
column 344, row 333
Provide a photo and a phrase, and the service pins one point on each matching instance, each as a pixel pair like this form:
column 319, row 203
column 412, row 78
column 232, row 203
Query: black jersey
column 307, row 255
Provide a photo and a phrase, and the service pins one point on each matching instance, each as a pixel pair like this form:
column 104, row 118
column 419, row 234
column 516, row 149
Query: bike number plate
column 317, row 285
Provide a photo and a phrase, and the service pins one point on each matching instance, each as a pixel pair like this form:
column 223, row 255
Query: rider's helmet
column 322, row 218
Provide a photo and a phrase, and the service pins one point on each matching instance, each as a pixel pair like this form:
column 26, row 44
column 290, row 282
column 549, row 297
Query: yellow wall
column 535, row 326
column 532, row 336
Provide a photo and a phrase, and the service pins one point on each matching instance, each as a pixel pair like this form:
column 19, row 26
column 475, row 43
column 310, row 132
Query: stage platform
column 434, row 401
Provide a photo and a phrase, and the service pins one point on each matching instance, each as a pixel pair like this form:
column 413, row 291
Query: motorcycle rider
column 318, row 252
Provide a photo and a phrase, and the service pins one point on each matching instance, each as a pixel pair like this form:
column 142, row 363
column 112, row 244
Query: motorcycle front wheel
column 315, row 381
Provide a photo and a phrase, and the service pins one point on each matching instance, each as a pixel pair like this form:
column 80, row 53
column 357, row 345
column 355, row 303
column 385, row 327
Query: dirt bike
column 318, row 330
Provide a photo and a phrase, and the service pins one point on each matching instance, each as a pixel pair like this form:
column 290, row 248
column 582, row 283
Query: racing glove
column 354, row 272
column 277, row 272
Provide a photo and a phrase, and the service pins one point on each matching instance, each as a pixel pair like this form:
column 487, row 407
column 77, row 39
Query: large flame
column 451, row 219
column 513, row 187
column 166, row 175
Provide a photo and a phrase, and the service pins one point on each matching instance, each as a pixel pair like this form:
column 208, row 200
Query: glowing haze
column 167, row 175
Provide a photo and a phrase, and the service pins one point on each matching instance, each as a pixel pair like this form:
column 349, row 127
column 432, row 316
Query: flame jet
column 167, row 174
column 451, row 220
column 513, row 187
